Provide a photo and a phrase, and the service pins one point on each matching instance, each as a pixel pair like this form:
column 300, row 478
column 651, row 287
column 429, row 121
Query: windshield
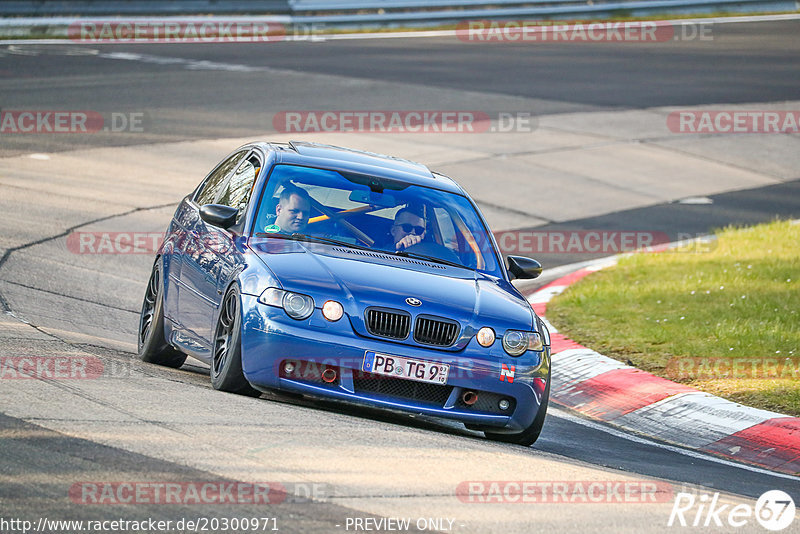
column 375, row 213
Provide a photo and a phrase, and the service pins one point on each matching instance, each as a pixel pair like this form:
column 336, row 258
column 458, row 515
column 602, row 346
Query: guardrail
column 348, row 5
column 94, row 8
column 392, row 11
column 386, row 12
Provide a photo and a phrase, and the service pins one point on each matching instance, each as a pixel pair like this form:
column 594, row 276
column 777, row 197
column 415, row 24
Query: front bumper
column 271, row 339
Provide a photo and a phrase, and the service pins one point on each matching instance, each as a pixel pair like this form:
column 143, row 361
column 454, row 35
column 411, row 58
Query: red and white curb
column 610, row 391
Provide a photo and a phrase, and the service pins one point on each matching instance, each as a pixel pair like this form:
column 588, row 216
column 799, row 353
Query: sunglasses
column 407, row 228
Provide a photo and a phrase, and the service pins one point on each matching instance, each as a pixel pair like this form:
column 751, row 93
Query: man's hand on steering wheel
column 408, row 241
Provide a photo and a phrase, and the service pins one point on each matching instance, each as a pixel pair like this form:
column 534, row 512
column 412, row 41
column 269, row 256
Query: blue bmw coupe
column 350, row 276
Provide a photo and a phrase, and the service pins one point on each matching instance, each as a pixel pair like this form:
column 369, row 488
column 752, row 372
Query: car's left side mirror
column 219, row 215
column 522, row 267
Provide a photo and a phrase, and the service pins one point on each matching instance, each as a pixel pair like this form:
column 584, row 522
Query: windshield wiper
column 434, row 259
column 297, row 236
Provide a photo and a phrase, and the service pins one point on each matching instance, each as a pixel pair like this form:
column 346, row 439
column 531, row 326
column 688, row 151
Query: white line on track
column 557, row 412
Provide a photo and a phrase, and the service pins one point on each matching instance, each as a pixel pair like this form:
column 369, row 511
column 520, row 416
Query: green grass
column 737, row 298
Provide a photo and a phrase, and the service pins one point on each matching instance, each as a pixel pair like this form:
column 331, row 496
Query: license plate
column 408, row 368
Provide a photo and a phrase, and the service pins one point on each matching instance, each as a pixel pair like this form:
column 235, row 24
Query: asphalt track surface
column 229, row 91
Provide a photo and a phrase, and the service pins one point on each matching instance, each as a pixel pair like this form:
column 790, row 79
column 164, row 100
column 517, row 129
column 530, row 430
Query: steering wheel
column 435, row 250
column 339, row 218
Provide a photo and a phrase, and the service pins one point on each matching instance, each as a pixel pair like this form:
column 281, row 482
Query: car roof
column 359, row 161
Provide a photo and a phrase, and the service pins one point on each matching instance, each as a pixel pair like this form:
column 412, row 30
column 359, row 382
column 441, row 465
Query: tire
column 528, row 436
column 153, row 348
column 226, row 363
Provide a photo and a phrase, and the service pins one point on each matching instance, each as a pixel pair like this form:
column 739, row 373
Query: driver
column 293, row 210
column 408, row 228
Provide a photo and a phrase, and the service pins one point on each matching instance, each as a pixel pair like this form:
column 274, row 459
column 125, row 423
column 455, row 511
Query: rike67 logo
column 774, row 510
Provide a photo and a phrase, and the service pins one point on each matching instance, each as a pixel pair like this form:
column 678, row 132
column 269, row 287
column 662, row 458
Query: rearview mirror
column 219, row 215
column 522, row 267
column 376, row 199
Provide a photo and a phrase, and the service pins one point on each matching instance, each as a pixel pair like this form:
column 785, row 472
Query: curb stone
column 634, row 400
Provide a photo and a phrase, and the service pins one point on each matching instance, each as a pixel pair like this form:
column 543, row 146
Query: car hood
column 360, row 279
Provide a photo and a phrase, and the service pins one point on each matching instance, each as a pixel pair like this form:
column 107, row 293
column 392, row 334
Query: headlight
column 485, row 336
column 516, row 342
column 296, row 305
column 545, row 333
column 272, row 296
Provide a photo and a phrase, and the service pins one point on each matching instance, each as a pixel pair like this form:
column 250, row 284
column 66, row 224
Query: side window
column 446, row 228
column 216, row 180
column 238, row 189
